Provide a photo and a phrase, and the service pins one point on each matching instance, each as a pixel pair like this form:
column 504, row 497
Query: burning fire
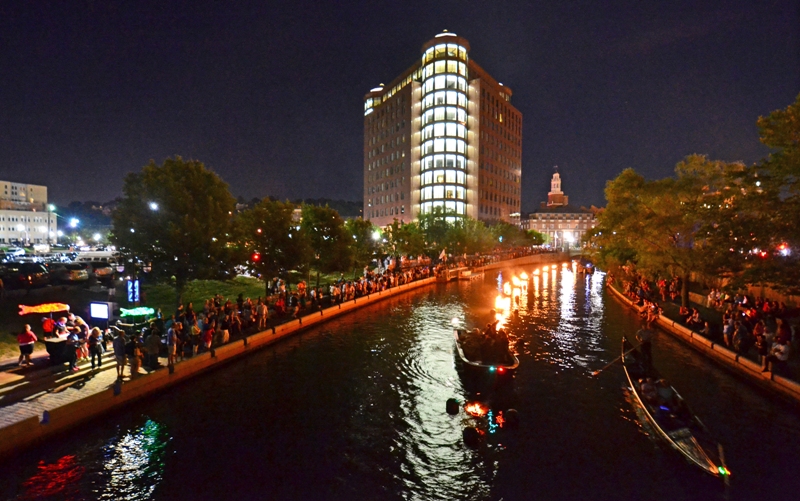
column 475, row 409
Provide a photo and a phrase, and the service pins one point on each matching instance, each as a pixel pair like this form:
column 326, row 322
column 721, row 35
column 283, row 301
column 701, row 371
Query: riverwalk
column 40, row 402
column 748, row 369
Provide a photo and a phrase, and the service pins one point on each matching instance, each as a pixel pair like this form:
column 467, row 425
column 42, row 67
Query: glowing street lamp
column 74, row 222
column 153, row 206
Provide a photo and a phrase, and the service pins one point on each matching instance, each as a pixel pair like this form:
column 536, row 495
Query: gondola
column 504, row 366
column 670, row 417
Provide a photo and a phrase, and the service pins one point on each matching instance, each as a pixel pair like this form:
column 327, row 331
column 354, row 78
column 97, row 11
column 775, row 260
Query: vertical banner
column 133, row 291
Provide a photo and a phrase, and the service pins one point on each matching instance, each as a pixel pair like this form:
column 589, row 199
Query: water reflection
column 130, row 466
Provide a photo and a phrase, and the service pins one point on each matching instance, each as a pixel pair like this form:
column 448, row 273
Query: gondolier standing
column 645, row 337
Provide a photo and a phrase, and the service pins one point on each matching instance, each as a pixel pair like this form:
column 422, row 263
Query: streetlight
column 153, row 206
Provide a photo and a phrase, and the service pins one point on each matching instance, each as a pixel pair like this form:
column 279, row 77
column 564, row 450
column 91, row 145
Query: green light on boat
column 723, row 471
column 491, row 369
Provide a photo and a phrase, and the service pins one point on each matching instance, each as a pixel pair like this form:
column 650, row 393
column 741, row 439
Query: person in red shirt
column 26, row 339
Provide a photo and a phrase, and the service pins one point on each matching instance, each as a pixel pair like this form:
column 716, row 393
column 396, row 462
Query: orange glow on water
column 475, row 409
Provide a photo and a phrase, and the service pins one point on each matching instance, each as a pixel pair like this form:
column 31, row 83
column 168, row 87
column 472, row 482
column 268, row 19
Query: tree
column 327, row 237
column 469, row 236
column 269, row 240
column 363, row 246
column 176, row 217
column 773, row 200
column 435, row 226
column 666, row 225
column 509, row 235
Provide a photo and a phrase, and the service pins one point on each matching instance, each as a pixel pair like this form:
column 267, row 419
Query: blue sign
column 133, row 291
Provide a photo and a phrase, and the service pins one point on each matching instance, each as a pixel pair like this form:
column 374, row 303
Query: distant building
column 442, row 134
column 563, row 225
column 24, row 214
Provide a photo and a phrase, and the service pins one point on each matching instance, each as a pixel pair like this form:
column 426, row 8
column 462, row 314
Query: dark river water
column 355, row 410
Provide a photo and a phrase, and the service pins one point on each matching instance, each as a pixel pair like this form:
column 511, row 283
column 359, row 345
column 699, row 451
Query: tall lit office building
column 442, row 134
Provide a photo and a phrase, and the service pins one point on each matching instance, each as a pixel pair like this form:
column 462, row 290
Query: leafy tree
column 509, row 235
column 364, row 246
column 435, row 226
column 176, row 216
column 665, row 226
column 469, row 236
column 269, row 240
column 771, row 197
column 403, row 239
column 535, row 238
column 324, row 229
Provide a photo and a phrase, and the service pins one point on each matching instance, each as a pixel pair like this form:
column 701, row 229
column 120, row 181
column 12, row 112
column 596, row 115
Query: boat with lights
column 670, row 417
column 483, row 362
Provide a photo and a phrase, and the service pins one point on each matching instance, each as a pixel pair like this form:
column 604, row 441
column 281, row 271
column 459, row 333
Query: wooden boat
column 506, row 366
column 468, row 274
column 670, row 417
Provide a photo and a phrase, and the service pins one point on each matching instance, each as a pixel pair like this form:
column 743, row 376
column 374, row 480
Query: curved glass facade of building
column 443, row 145
column 442, row 135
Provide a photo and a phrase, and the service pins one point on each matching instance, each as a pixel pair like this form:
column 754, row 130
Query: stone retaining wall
column 783, row 387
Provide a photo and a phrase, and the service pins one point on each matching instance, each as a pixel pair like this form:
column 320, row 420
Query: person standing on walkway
column 119, row 352
column 73, row 344
column 262, row 314
column 26, row 340
column 172, row 342
column 152, row 347
column 95, row 343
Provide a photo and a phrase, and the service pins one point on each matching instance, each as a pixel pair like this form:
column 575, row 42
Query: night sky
column 270, row 94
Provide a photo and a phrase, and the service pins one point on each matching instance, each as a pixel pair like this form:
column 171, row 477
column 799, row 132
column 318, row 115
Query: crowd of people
column 750, row 326
column 488, row 346
column 193, row 330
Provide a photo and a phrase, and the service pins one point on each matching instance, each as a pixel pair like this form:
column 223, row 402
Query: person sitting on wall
column 778, row 356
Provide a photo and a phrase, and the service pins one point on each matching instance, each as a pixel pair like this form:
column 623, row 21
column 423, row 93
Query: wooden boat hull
column 676, row 425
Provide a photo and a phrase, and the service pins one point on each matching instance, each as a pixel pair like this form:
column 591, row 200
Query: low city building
column 25, row 216
column 562, row 224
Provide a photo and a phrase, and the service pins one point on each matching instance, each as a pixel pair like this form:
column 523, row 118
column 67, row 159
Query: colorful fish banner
column 25, row 309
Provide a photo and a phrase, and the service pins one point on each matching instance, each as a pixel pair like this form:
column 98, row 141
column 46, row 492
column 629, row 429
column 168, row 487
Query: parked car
column 68, row 273
column 100, row 270
column 24, row 275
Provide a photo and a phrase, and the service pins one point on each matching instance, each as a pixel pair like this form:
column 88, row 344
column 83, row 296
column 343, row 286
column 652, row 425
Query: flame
column 523, row 276
column 475, row 409
column 515, row 281
column 507, row 289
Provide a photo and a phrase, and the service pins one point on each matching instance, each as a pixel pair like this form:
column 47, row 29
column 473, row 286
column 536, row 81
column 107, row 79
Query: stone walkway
column 29, row 391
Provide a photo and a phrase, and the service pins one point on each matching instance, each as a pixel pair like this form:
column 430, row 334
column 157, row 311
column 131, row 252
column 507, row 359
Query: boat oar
column 613, row 362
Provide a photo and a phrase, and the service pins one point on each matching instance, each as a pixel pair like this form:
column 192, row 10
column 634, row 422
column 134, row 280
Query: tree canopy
column 176, row 217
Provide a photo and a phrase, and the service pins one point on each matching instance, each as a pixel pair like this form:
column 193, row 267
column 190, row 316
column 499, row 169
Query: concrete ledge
column 726, row 353
column 788, row 385
column 18, row 435
column 698, row 339
column 743, row 366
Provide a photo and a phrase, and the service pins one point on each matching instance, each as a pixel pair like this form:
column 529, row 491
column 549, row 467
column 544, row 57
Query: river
column 355, row 410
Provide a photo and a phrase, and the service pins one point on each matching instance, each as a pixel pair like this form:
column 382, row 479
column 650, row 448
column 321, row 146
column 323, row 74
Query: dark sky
column 270, row 94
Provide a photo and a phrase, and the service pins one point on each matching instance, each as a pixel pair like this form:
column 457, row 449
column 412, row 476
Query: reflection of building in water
column 563, row 225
